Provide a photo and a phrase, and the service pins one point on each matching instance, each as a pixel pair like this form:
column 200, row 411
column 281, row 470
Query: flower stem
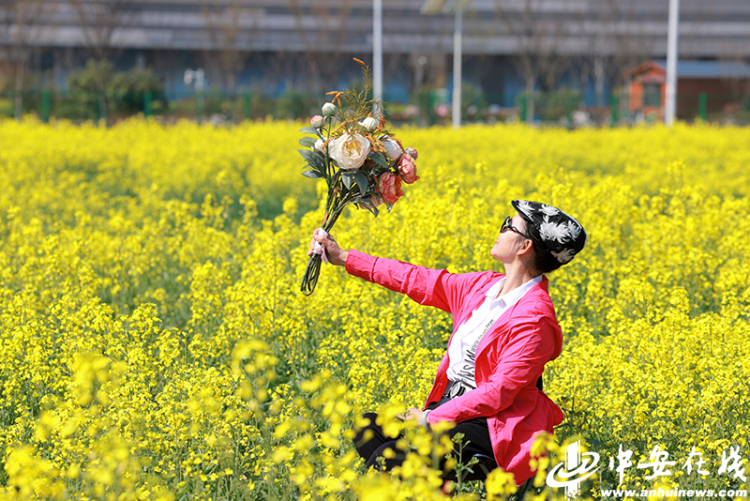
column 336, row 204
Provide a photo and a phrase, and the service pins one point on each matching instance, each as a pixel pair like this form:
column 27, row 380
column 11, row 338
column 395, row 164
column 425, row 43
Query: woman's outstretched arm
column 426, row 286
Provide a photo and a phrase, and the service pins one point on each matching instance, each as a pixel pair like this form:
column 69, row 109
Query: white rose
column 349, row 150
column 370, row 124
column 392, row 149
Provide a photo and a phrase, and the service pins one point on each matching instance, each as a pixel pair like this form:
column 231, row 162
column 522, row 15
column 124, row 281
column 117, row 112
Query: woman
column 505, row 331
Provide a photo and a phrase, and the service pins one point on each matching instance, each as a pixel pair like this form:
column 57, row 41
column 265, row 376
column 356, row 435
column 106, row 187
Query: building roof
column 709, row 69
column 708, row 29
column 644, row 68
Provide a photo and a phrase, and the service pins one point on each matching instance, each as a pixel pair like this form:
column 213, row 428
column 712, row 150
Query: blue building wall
column 494, row 77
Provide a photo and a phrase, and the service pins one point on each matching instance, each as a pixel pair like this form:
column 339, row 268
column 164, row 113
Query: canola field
column 154, row 343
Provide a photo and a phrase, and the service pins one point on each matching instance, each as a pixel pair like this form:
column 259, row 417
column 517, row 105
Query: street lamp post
column 377, row 51
column 457, row 46
column 443, row 6
column 671, row 90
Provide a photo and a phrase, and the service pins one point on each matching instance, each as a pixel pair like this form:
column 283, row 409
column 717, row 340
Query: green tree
column 89, row 89
column 128, row 89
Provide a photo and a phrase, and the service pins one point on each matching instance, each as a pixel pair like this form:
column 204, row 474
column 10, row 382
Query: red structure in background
column 702, row 87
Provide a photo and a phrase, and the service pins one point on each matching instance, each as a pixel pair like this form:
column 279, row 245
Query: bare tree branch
column 632, row 44
column 19, row 23
column 99, row 20
column 231, row 24
column 323, row 45
column 538, row 36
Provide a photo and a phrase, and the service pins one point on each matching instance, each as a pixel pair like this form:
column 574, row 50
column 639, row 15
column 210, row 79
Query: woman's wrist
column 342, row 257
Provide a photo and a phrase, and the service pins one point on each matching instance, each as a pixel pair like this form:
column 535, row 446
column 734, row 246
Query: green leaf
column 388, row 206
column 308, row 141
column 378, row 158
column 348, row 178
column 361, row 182
column 368, row 205
column 310, row 130
column 315, row 159
column 312, row 174
column 321, row 172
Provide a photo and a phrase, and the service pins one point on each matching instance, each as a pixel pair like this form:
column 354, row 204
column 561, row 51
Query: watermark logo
column 579, row 466
column 576, row 468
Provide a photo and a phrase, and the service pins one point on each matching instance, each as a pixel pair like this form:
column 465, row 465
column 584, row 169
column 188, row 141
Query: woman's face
column 509, row 241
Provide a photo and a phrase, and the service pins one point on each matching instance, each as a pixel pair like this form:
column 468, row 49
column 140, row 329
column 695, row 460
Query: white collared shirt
column 463, row 347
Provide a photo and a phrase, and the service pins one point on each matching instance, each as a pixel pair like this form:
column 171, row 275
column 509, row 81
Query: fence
column 564, row 108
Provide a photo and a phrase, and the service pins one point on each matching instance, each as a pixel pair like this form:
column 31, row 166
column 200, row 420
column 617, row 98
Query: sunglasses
column 507, row 225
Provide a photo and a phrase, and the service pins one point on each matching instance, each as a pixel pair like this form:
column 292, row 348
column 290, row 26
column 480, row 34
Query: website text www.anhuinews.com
column 673, row 493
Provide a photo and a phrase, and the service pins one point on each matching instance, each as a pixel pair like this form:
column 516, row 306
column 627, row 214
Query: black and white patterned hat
column 562, row 234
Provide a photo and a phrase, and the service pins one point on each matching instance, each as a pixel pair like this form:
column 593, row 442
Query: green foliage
column 471, row 95
column 295, row 104
column 95, row 77
column 124, row 92
column 85, row 85
column 6, row 107
column 128, row 89
column 553, row 106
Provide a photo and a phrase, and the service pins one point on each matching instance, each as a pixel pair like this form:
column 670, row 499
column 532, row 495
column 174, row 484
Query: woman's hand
column 336, row 255
column 413, row 414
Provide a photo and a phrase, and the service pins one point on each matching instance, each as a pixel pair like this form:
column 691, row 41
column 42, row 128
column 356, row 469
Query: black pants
column 475, row 432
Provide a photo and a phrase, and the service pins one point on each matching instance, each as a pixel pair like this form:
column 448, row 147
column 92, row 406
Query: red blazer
column 509, row 359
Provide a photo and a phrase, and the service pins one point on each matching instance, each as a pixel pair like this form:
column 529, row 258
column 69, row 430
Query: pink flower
column 316, row 121
column 389, row 187
column 407, row 169
column 411, row 152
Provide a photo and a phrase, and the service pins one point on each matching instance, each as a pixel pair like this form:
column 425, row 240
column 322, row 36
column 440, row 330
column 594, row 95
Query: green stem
column 312, row 272
column 328, row 156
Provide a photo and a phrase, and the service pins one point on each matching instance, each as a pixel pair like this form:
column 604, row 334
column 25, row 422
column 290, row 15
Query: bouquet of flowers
column 361, row 161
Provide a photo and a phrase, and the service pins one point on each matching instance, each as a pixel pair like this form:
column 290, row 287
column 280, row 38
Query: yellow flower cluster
column 154, row 343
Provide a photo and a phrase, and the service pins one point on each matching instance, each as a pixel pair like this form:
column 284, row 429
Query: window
column 651, row 94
